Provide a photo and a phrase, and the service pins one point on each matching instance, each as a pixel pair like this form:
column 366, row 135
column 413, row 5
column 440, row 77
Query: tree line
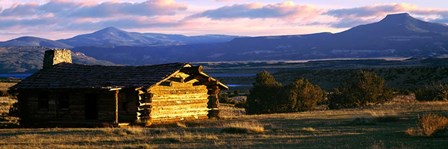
column 359, row 89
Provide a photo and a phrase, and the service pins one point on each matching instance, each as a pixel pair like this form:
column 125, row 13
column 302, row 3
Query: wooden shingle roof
column 70, row 76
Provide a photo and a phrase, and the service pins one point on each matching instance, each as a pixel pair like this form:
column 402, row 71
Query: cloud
column 128, row 23
column 20, row 10
column 228, row 0
column 63, row 18
column 285, row 10
column 349, row 17
column 59, row 14
column 148, row 8
column 105, row 9
column 368, row 11
column 350, row 22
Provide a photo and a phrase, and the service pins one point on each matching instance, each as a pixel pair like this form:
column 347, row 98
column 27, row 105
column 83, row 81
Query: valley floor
column 372, row 127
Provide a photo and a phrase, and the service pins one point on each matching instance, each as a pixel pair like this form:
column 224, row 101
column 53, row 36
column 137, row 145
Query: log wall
column 176, row 100
column 186, row 95
column 127, row 106
column 74, row 115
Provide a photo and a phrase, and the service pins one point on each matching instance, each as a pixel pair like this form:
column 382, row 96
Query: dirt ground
column 372, row 127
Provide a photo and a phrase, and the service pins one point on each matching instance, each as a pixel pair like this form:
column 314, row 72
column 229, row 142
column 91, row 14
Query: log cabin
column 63, row 94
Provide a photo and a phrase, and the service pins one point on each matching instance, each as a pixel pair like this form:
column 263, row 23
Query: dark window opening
column 124, row 102
column 123, row 99
column 91, row 106
column 63, row 101
column 42, row 101
column 124, row 106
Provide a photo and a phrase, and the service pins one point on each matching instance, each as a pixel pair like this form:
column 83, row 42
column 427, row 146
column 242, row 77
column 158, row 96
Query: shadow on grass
column 50, row 132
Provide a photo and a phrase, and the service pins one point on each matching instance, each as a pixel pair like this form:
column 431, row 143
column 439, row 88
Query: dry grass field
column 4, row 87
column 372, row 127
column 380, row 126
column 5, row 104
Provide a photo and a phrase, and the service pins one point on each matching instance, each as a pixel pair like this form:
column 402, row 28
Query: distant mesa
column 397, row 35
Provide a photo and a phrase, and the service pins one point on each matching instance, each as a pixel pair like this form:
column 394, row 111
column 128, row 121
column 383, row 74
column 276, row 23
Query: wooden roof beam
column 192, row 70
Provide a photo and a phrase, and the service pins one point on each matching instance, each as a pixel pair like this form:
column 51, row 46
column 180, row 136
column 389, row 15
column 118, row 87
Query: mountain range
column 33, row 41
column 397, row 35
column 111, row 37
column 27, row 59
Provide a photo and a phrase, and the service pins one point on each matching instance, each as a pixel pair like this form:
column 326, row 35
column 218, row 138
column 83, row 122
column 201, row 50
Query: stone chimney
column 56, row 56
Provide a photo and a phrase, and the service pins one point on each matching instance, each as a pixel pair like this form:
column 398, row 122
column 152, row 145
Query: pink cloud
column 71, row 15
column 349, row 17
column 169, row 16
column 67, row 8
column 229, row 0
column 285, row 10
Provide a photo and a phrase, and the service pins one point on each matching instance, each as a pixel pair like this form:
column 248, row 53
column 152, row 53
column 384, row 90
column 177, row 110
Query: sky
column 61, row 19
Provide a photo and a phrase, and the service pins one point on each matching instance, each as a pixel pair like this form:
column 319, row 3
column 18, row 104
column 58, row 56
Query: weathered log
column 192, row 70
column 116, row 106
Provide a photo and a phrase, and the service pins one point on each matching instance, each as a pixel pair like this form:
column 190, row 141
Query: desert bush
column 430, row 124
column 269, row 96
column 236, row 93
column 224, row 98
column 241, row 104
column 360, row 89
column 303, row 95
column 265, row 96
column 4, row 93
column 14, row 110
column 435, row 92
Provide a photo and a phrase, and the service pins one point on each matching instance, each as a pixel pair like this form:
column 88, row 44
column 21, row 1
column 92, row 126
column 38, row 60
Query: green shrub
column 269, row 96
column 303, row 95
column 236, row 93
column 241, row 104
column 360, row 89
column 434, row 92
column 223, row 98
column 265, row 96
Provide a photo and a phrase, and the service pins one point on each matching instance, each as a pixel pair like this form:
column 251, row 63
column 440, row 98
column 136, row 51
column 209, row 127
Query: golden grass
column 230, row 111
column 316, row 129
column 308, row 129
column 6, row 120
column 430, row 124
column 4, row 87
column 181, row 125
column 243, row 127
column 125, row 131
column 5, row 104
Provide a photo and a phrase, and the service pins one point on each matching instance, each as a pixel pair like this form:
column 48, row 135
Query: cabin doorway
column 91, row 107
